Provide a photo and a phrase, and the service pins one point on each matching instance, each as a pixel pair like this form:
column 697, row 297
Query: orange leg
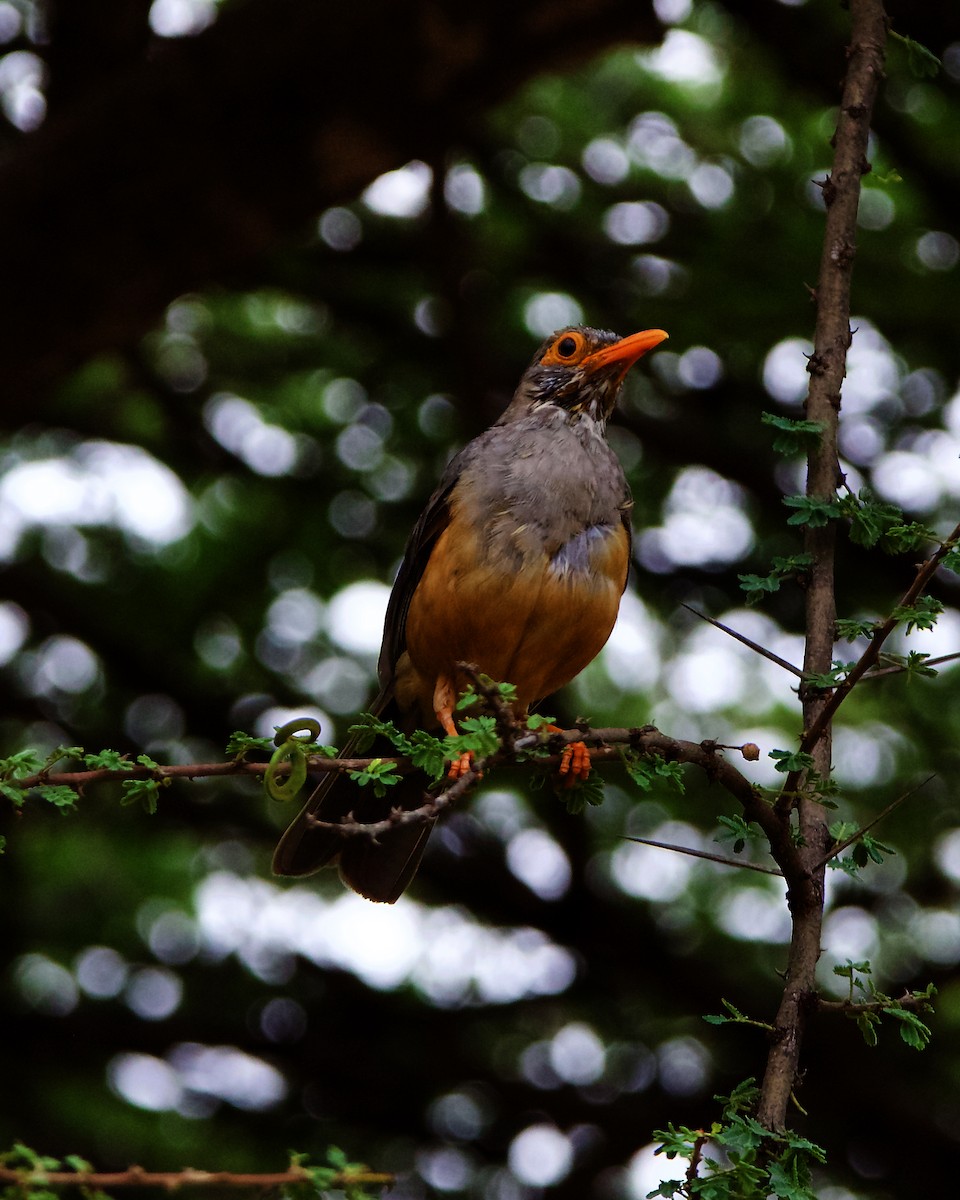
column 444, row 701
column 574, row 761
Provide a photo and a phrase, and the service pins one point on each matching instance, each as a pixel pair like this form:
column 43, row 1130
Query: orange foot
column 444, row 698
column 460, row 766
column 574, row 762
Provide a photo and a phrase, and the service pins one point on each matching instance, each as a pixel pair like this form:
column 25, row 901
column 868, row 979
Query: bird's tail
column 379, row 870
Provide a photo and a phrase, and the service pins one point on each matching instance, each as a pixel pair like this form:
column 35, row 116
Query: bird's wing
column 432, row 522
column 626, row 509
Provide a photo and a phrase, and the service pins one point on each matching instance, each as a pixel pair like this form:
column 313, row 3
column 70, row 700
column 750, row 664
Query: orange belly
column 532, row 624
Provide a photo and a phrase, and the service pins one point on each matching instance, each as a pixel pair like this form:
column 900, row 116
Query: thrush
column 517, row 564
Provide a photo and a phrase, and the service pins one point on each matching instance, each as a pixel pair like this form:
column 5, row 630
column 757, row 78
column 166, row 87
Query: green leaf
column 14, row 794
column 913, row 664
column 478, row 735
column 427, row 753
column 739, row 831
column 913, row 1031
column 788, row 761
column 867, row 1023
column 850, row 628
column 16, row 766
column 922, row 614
column 782, row 568
column 141, row 791
column 830, row 679
column 58, row 795
column 923, row 63
column 240, row 743
column 584, row 792
column 368, row 727
column 647, row 769
column 911, row 535
column 789, row 1181
column 108, row 760
column 812, row 511
column 795, row 437
column 377, row 774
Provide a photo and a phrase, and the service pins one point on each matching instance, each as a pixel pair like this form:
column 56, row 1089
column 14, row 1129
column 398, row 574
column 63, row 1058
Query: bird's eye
column 566, row 350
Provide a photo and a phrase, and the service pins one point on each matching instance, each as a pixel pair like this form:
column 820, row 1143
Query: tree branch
column 841, row 193
column 174, row 1180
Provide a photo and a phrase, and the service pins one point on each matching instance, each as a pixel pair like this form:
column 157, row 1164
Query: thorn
column 717, row 858
column 775, row 658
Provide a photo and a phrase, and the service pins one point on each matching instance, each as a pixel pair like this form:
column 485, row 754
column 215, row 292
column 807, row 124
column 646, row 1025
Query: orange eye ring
column 566, row 350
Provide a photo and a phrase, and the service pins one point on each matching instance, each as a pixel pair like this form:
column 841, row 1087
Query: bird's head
column 581, row 370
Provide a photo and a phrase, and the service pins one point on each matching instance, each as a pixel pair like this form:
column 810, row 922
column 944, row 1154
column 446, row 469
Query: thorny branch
column 175, row 1180
column 925, row 573
column 827, row 365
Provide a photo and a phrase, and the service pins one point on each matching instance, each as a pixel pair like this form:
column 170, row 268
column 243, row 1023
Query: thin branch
column 774, row 658
column 908, row 1000
column 350, row 827
column 174, row 1180
column 855, row 837
column 717, row 858
column 925, row 573
column 898, row 669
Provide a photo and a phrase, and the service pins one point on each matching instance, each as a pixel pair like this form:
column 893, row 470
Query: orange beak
column 626, row 351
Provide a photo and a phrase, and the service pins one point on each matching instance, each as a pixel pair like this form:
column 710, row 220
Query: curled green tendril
column 290, row 740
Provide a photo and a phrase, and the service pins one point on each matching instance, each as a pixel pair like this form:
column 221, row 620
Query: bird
column 516, row 564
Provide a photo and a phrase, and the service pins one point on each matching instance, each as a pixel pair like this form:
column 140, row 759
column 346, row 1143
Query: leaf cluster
column 914, row 1032
column 750, row 1162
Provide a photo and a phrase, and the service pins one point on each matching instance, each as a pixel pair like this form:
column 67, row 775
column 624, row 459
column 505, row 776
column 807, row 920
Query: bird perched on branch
column 517, row 564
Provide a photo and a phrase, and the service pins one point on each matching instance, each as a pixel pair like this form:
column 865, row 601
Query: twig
column 174, row 1180
column 717, row 858
column 898, row 669
column 925, row 573
column 907, row 1000
column 855, row 837
column 350, row 827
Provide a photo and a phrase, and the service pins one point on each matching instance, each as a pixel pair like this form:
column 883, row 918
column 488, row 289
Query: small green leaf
column 788, row 761
column 377, row 774
column 812, row 511
column 795, row 437
column 58, row 795
column 585, row 792
column 478, row 735
column 141, row 791
column 240, row 743
column 913, row 1031
column 867, row 1023
column 110, row 760
column 427, row 753
column 850, row 628
column 922, row 614
column 923, row 63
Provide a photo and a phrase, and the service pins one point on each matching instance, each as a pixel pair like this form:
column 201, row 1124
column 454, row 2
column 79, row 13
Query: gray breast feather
column 573, row 557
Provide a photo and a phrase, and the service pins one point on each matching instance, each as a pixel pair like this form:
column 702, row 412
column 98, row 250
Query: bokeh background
column 266, row 264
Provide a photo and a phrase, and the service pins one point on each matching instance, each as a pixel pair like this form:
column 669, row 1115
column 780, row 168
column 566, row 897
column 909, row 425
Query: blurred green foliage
column 198, row 532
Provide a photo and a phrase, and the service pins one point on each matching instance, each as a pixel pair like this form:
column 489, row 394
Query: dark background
column 230, row 378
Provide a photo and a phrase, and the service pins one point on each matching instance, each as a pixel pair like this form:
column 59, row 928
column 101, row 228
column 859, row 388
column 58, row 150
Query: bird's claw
column 574, row 764
column 461, row 766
